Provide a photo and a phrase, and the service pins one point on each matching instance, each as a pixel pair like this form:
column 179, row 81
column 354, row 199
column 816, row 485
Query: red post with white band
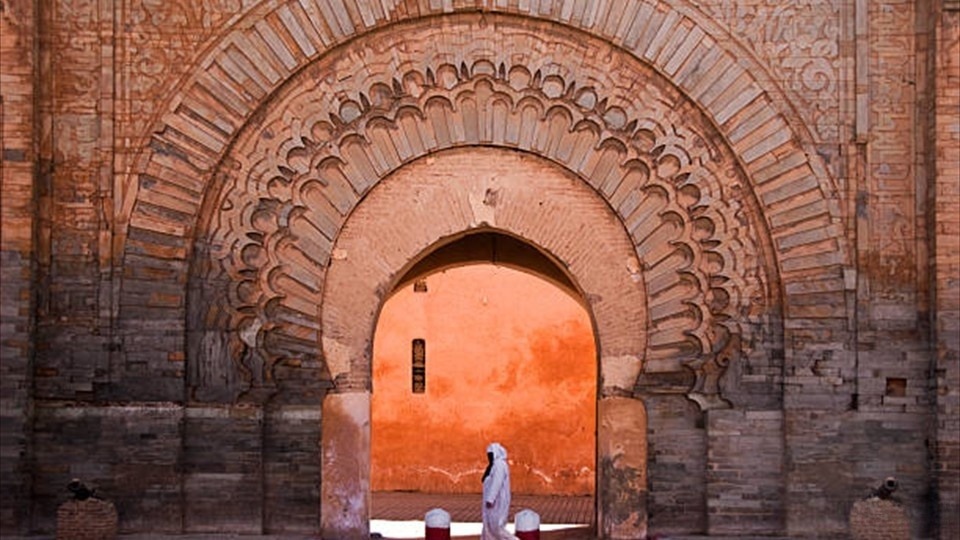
column 438, row 524
column 527, row 524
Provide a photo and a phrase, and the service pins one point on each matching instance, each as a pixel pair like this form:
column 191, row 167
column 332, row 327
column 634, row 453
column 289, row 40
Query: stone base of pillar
column 874, row 518
column 90, row 519
column 345, row 480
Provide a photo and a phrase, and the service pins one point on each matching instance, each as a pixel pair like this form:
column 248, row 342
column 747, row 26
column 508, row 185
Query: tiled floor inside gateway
column 401, row 514
column 397, row 505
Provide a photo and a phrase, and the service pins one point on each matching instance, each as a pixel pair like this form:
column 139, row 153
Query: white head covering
column 498, row 451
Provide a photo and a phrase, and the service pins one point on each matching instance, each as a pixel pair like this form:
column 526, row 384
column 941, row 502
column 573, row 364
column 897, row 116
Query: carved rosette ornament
column 297, row 171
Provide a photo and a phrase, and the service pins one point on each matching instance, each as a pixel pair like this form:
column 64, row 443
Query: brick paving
column 412, row 506
column 466, row 507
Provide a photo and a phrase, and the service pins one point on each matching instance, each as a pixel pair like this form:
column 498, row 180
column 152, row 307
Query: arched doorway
column 503, row 192
column 484, row 339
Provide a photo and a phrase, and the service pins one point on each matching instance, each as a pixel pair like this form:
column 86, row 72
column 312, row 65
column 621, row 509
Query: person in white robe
column 496, row 495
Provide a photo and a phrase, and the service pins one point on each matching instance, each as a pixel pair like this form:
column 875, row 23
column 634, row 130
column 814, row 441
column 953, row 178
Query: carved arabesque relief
column 800, row 42
column 294, row 179
column 158, row 41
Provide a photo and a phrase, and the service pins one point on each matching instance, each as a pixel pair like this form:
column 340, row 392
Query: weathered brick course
column 90, row 519
column 19, row 73
column 876, row 519
column 677, row 467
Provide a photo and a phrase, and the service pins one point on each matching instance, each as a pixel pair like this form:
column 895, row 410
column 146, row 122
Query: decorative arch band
column 705, row 173
column 679, row 195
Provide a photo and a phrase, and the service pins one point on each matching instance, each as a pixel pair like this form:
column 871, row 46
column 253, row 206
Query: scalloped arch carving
column 293, row 177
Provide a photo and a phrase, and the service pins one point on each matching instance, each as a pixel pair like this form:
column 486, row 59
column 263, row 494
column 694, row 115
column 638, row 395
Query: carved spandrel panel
column 800, row 44
column 158, row 43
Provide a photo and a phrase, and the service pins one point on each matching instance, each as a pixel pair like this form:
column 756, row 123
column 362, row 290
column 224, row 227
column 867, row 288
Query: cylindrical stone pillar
column 527, row 524
column 437, row 522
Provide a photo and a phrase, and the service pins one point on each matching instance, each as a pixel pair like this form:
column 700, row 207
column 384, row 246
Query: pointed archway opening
column 484, row 339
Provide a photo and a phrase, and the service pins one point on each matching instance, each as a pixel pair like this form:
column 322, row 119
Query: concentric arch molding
column 796, row 210
column 275, row 39
column 294, row 175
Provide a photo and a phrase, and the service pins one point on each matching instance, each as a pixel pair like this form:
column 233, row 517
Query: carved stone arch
column 211, row 106
column 666, row 181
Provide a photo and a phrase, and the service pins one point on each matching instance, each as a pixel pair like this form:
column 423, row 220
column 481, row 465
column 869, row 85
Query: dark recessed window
column 420, row 285
column 419, row 366
column 896, row 387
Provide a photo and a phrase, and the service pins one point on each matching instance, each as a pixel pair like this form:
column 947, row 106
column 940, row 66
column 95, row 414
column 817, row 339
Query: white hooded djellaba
column 496, row 495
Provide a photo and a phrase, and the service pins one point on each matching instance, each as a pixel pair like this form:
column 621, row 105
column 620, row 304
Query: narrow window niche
column 419, row 366
column 896, row 387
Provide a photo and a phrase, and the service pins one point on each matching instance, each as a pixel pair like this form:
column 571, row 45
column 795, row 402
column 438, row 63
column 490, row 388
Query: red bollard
column 437, row 522
column 527, row 524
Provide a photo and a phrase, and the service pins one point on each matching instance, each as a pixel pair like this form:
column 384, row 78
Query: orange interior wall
column 509, row 358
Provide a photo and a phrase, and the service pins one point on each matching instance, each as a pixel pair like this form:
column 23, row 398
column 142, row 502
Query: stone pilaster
column 622, row 468
column 345, row 472
column 945, row 267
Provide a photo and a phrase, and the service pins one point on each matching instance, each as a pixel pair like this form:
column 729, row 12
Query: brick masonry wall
column 169, row 468
column 945, row 263
column 745, row 472
column 222, row 474
column 291, row 455
column 130, row 454
column 886, row 424
column 842, row 365
column 260, row 473
column 18, row 161
column 74, row 199
column 849, row 453
column 677, row 454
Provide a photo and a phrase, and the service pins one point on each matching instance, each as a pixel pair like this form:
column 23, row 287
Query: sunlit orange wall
column 509, row 358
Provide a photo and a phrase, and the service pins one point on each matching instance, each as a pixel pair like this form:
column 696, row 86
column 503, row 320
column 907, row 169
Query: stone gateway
column 206, row 205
